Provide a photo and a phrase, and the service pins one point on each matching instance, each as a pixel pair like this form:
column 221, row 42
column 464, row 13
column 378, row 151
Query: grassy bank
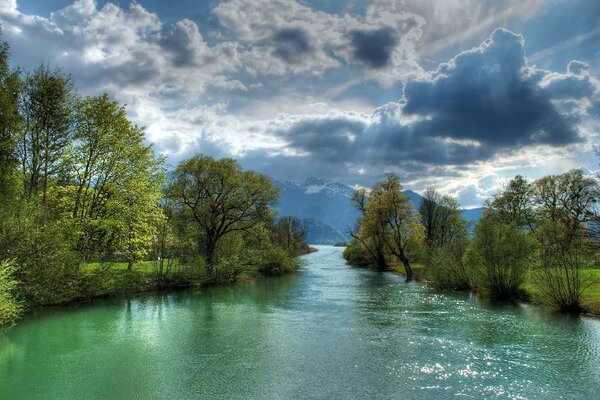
column 531, row 293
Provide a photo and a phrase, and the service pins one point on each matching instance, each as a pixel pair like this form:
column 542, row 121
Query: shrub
column 10, row 307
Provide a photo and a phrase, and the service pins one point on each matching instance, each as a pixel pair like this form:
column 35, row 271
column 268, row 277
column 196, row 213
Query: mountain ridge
column 325, row 208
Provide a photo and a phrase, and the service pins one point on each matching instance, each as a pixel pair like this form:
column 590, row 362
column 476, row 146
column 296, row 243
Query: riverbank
column 530, row 293
column 334, row 329
column 104, row 280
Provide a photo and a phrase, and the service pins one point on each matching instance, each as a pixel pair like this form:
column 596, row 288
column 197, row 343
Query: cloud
column 485, row 104
column 285, row 36
column 291, row 45
column 124, row 51
column 374, row 48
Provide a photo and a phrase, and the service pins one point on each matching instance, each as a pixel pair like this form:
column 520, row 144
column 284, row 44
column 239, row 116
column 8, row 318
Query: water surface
column 327, row 332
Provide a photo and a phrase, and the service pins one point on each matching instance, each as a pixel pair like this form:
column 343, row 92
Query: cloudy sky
column 454, row 94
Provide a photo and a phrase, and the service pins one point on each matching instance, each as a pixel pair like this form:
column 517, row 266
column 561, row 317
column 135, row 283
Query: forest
column 89, row 210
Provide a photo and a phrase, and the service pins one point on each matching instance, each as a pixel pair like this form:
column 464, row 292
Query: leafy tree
column 499, row 256
column 369, row 238
column 220, row 198
column 290, row 234
column 117, row 181
column 10, row 307
column 10, row 86
column 389, row 224
column 47, row 107
column 512, row 204
column 565, row 205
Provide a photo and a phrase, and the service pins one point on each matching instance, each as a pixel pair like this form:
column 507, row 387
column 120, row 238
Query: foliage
column 10, row 87
column 220, row 199
column 356, row 254
column 117, row 182
column 290, row 234
column 565, row 205
column 10, row 307
column 498, row 257
column 389, row 225
column 447, row 269
column 47, row 104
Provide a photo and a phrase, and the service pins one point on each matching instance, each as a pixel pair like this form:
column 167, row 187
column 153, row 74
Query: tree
column 290, row 234
column 389, row 224
column 10, row 86
column 10, row 307
column 429, row 213
column 513, row 202
column 220, row 198
column 47, row 107
column 117, row 181
column 370, row 236
column 565, row 206
column 499, row 256
column 441, row 219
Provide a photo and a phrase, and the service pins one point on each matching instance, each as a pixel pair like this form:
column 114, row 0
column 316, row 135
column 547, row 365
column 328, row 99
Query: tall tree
column 428, row 212
column 10, row 86
column 389, row 224
column 512, row 203
column 565, row 205
column 370, row 236
column 47, row 105
column 221, row 198
column 117, row 180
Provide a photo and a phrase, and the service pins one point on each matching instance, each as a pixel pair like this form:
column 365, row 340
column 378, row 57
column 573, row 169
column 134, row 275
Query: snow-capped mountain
column 326, row 210
column 318, row 199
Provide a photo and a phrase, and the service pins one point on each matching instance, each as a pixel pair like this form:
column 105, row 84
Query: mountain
column 326, row 202
column 320, row 233
column 326, row 210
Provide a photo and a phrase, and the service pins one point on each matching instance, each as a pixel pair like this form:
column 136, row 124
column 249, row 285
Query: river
column 329, row 331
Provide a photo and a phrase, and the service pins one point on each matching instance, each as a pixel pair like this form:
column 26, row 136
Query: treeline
column 87, row 209
column 539, row 237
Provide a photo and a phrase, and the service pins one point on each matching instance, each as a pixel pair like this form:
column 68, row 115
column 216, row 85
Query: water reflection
column 328, row 331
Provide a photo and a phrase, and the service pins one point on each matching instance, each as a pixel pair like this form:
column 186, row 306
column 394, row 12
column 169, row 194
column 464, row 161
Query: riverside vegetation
column 87, row 210
column 536, row 240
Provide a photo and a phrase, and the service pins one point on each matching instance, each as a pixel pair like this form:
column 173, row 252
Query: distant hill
column 325, row 208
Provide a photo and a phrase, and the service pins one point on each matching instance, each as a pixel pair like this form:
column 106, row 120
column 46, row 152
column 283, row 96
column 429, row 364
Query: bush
column 44, row 251
column 10, row 308
column 498, row 257
column 560, row 275
column 356, row 255
column 447, row 269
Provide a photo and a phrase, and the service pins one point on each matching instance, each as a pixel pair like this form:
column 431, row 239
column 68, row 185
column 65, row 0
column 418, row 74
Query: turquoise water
column 327, row 332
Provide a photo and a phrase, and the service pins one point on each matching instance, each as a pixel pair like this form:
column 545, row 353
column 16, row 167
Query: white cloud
column 325, row 40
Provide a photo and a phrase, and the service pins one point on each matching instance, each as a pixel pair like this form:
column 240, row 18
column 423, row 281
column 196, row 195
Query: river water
column 329, row 331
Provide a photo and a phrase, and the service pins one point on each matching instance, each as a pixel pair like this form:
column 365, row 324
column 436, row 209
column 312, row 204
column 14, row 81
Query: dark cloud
column 484, row 102
column 291, row 45
column 330, row 138
column 374, row 48
column 485, row 96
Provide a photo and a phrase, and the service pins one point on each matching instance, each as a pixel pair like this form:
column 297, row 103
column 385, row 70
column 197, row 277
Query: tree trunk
column 407, row 269
column 210, row 253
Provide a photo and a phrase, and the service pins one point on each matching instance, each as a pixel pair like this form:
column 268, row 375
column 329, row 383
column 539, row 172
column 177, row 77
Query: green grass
column 591, row 298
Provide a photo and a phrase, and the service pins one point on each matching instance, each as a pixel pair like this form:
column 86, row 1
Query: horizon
column 459, row 96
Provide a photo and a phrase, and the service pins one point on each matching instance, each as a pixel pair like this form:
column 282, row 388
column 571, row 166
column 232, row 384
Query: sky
column 459, row 95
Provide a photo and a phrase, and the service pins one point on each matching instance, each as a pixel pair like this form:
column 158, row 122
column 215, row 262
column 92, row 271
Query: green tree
column 290, row 234
column 389, row 224
column 117, row 181
column 47, row 106
column 10, row 307
column 512, row 203
column 565, row 205
column 10, row 86
column 220, row 198
column 499, row 256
